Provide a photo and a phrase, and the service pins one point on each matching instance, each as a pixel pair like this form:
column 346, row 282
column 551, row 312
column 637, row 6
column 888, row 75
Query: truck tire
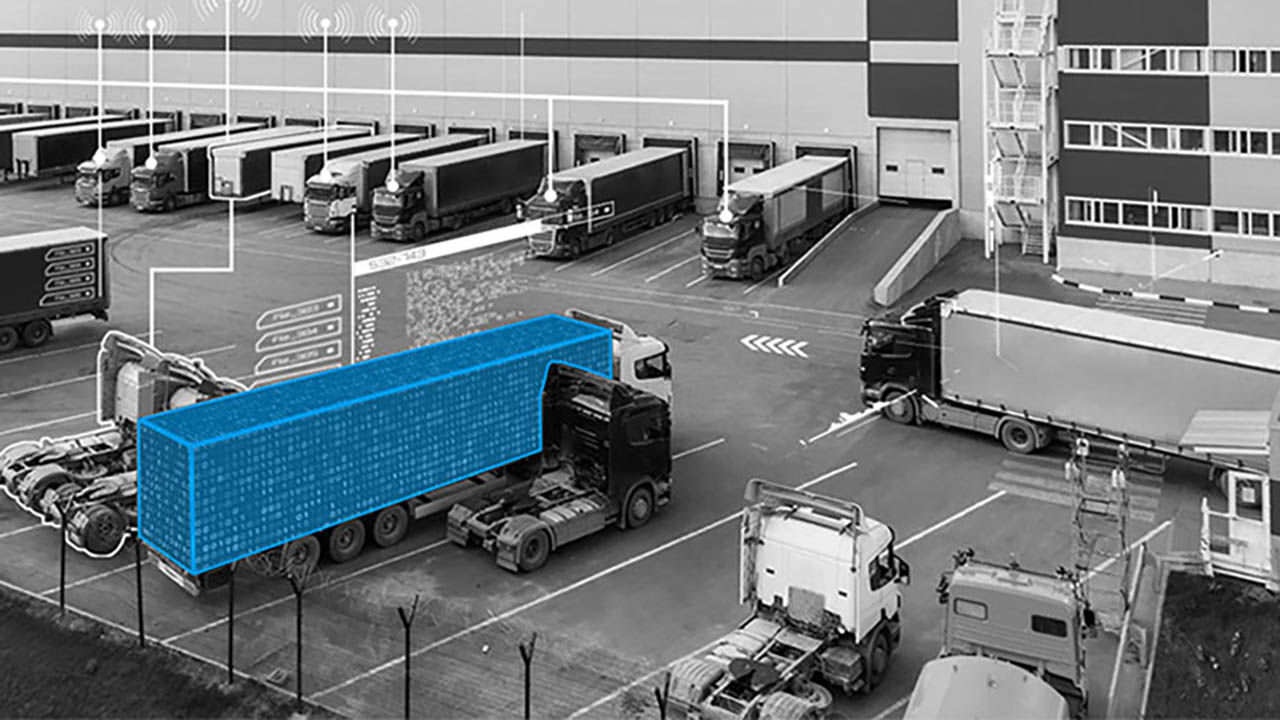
column 8, row 338
column 757, row 268
column 104, row 531
column 37, row 333
column 610, row 237
column 877, row 662
column 902, row 412
column 302, row 555
column 346, row 541
column 39, row 481
column 1018, row 436
column 639, row 507
column 534, row 549
column 389, row 526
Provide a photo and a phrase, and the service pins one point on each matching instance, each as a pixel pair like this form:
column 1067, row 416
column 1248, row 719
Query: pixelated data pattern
column 287, row 460
column 164, row 517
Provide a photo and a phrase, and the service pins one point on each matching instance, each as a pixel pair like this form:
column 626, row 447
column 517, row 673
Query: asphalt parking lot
column 611, row 611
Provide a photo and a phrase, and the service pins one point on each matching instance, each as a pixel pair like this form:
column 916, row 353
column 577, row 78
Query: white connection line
column 391, row 68
column 101, row 25
column 151, row 85
column 324, row 55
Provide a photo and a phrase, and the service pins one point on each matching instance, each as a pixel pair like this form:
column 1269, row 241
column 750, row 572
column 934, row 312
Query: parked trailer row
column 7, row 133
column 348, row 187
column 453, row 189
column 596, row 205
column 243, row 170
column 48, row 276
column 59, row 150
column 772, row 218
column 107, row 176
column 291, row 168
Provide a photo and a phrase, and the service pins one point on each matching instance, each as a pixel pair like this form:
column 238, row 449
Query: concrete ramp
column 843, row 274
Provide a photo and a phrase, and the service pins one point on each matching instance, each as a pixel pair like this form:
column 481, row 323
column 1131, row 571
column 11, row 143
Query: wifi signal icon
column 377, row 23
column 165, row 25
column 84, row 23
column 311, row 23
column 207, row 8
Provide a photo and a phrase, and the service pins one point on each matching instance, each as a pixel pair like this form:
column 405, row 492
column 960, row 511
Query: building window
column 1133, row 59
column 1275, row 143
column 1076, row 211
column 939, row 171
column 891, row 168
column 1226, row 221
column 1224, row 141
column 1111, row 213
column 1159, row 138
column 1161, row 216
column 1110, row 137
column 1136, row 215
column 1134, row 136
column 1190, row 61
column 1193, row 219
column 1256, row 61
column 1258, row 142
column 1259, row 223
column 1158, row 61
column 1191, row 139
column 1081, row 135
column 1078, row 58
column 1224, row 61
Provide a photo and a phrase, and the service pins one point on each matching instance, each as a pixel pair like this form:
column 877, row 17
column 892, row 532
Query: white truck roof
column 1178, row 338
column 787, row 175
column 980, row 687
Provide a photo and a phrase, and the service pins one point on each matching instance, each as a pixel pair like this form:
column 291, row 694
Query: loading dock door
column 915, row 164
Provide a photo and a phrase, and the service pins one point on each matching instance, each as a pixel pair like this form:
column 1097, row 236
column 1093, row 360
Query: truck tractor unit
column 49, row 276
column 290, row 169
column 242, row 170
column 453, row 189
column 1030, row 371
column 345, row 187
column 606, row 461
column 95, row 472
column 1013, row 645
column 105, row 178
column 60, row 150
column 598, row 204
column 177, row 175
column 641, row 361
column 774, row 217
column 823, row 582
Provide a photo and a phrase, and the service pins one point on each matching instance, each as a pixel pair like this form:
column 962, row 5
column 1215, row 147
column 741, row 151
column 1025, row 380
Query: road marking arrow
column 747, row 341
column 775, row 345
column 798, row 346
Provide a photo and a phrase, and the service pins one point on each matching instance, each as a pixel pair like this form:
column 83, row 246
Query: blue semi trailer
column 523, row 422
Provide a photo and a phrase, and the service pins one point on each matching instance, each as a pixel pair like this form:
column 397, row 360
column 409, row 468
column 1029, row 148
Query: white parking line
column 642, row 253
column 673, row 268
column 695, row 281
column 375, row 566
column 767, row 279
column 914, row 538
column 59, row 351
column 82, row 378
column 90, row 579
column 19, row 531
column 493, row 619
column 47, row 423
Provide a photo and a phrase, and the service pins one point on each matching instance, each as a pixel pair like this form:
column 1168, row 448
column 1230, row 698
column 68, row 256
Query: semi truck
column 93, row 475
column 1028, row 371
column 348, row 186
column 598, row 204
column 105, row 178
column 291, row 168
column 8, row 131
column 423, row 430
column 641, row 361
column 452, row 189
column 59, row 150
column 768, row 220
column 1013, row 645
column 823, row 583
column 49, row 276
column 243, row 170
column 177, row 175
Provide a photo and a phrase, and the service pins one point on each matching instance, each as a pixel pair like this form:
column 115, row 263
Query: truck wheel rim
column 8, row 338
column 640, row 507
column 533, row 548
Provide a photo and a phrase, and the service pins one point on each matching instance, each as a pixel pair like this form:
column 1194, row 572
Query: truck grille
column 317, row 210
column 717, row 254
column 542, row 241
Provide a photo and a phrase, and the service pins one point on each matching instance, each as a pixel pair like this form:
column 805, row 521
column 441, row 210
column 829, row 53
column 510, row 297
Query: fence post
column 62, row 559
column 231, row 626
column 406, row 619
column 137, row 575
column 297, row 586
column 526, row 654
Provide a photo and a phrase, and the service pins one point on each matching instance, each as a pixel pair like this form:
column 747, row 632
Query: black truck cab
column 399, row 207
column 901, row 356
column 732, row 232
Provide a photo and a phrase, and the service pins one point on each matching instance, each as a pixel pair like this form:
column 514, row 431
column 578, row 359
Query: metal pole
column 526, row 654
column 62, row 561
column 406, row 620
column 231, row 627
column 137, row 575
column 297, row 629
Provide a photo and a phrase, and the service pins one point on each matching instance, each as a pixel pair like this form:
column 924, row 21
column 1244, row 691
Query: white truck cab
column 641, row 361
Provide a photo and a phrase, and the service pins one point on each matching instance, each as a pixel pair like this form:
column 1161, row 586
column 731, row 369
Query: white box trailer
column 290, row 169
column 243, row 170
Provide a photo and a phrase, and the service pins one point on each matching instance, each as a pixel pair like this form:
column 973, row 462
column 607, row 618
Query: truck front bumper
column 735, row 269
column 327, row 225
column 398, row 233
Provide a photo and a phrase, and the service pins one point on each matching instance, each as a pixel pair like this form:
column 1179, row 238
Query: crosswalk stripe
column 1135, row 500
column 1062, row 499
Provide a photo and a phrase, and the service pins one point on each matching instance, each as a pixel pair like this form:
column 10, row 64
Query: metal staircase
column 1020, row 113
column 1100, row 520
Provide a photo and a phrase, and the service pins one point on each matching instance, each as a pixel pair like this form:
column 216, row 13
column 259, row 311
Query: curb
column 825, row 240
column 1161, row 296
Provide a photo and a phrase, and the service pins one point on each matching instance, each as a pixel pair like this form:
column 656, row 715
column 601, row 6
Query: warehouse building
column 1115, row 136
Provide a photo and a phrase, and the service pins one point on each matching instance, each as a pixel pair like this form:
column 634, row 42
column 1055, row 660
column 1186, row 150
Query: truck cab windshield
column 323, row 193
column 720, row 230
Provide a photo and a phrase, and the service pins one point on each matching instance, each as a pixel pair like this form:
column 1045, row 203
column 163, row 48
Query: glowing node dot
column 151, row 24
column 100, row 24
column 324, row 23
column 392, row 23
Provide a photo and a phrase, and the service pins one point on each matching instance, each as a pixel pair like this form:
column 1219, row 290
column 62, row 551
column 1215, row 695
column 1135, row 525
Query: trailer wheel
column 534, row 549
column 390, row 525
column 8, row 338
column 346, row 541
column 1018, row 436
column 639, row 506
column 877, row 663
column 37, row 333
column 757, row 268
column 104, row 532
column 903, row 411
column 302, row 555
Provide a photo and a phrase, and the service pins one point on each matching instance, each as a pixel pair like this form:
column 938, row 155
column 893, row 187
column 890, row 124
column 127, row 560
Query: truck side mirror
column 903, row 571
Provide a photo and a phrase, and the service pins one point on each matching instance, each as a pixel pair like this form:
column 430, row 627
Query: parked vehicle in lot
column 598, row 204
column 59, row 150
column 453, row 189
column 348, row 186
column 291, row 168
column 7, row 133
column 48, row 276
column 178, row 174
column 775, row 216
column 105, row 178
column 242, row 170
column 1025, row 370
column 822, row 581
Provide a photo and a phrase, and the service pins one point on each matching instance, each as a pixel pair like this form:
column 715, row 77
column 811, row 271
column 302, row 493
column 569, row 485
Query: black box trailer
column 48, row 276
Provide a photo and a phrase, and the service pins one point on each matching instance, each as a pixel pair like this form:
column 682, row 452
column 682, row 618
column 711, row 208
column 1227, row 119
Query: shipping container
column 291, row 168
column 8, row 131
column 597, row 204
column 232, row 477
column 243, row 170
column 39, row 153
column 48, row 276
column 453, row 189
column 774, row 217
column 352, row 180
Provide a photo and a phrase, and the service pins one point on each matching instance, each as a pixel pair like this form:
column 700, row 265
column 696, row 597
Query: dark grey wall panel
column 913, row 20
column 1171, row 100
column 1128, row 176
column 927, row 92
column 1133, row 22
column 1200, row 242
column 573, row 47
